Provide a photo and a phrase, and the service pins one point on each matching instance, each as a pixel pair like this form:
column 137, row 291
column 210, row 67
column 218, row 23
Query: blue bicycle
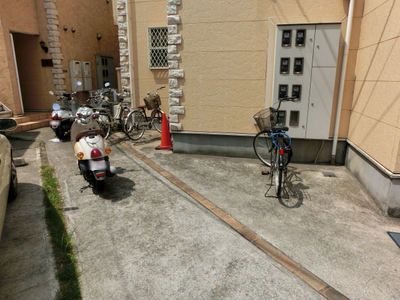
column 272, row 145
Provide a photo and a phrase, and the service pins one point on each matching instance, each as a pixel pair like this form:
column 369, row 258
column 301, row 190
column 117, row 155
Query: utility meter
column 300, row 37
column 298, row 65
column 285, row 62
column 296, row 91
column 281, row 117
column 286, row 38
column 283, row 90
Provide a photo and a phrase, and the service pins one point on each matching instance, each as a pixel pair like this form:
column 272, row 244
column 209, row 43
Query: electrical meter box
column 80, row 72
column 305, row 68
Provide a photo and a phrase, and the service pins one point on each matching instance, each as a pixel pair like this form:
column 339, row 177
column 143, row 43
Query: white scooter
column 63, row 115
column 91, row 149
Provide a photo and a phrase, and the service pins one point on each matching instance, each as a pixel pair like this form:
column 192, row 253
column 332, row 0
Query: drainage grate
column 395, row 237
column 329, row 174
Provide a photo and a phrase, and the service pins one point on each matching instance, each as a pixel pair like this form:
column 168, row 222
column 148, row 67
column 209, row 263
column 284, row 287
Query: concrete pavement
column 27, row 269
column 146, row 239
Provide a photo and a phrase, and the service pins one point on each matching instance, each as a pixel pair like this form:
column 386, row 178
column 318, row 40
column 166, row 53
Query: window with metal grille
column 158, row 47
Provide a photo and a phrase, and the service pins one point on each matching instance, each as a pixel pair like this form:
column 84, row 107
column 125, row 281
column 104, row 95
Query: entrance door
column 105, row 71
column 34, row 78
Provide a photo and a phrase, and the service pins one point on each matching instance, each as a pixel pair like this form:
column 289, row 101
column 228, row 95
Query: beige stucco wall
column 144, row 14
column 225, row 55
column 16, row 16
column 375, row 115
column 88, row 17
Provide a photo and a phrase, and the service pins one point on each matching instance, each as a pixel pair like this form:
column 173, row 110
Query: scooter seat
column 88, row 133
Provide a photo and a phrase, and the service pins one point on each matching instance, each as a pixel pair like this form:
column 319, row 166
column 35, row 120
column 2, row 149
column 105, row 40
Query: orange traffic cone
column 166, row 143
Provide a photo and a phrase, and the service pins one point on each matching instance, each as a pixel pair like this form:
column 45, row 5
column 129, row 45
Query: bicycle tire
column 277, row 174
column 263, row 146
column 156, row 117
column 104, row 121
column 135, row 125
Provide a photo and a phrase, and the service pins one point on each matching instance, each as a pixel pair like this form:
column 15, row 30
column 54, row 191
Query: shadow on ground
column 293, row 189
column 118, row 188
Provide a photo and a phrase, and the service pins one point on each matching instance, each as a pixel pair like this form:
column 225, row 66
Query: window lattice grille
column 158, row 47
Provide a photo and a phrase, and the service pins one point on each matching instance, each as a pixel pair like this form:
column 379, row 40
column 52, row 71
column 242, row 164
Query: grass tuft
column 67, row 274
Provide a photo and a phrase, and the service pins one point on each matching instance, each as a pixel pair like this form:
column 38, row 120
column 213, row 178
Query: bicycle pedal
column 265, row 173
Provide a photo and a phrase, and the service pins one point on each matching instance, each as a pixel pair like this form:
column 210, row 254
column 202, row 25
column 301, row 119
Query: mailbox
column 283, row 90
column 285, row 62
column 296, row 91
column 286, row 38
column 300, row 37
column 298, row 65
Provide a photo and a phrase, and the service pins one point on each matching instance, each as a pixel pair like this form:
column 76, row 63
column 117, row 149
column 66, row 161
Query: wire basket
column 266, row 118
column 152, row 101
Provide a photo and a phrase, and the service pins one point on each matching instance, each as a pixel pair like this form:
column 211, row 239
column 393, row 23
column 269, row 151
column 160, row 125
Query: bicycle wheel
column 277, row 173
column 135, row 125
column 105, row 124
column 156, row 116
column 263, row 146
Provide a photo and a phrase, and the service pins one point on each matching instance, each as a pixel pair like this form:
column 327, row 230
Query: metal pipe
column 342, row 79
column 128, row 32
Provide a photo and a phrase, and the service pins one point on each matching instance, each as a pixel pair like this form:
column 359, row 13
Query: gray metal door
column 326, row 47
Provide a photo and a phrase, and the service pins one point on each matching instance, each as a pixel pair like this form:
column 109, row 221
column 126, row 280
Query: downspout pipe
column 128, row 32
column 342, row 79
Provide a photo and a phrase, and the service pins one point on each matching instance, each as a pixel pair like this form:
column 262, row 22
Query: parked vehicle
column 272, row 145
column 8, row 172
column 113, row 111
column 91, row 149
column 138, row 121
column 63, row 115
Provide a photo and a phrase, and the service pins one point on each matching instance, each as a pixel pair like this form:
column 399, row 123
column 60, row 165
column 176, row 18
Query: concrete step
column 25, row 126
column 32, row 116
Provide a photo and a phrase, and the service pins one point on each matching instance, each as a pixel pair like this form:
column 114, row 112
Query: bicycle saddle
column 279, row 128
column 141, row 106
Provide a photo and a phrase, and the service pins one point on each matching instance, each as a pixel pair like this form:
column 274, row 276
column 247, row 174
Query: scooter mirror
column 56, row 106
column 51, row 93
column 107, row 84
column 79, row 83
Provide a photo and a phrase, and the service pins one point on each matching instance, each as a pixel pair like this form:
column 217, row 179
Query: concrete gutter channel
column 151, row 234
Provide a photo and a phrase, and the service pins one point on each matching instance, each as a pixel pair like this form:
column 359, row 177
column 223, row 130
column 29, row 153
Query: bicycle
column 138, row 121
column 272, row 145
column 111, row 116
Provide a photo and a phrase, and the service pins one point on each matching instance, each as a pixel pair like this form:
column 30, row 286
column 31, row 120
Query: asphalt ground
column 145, row 238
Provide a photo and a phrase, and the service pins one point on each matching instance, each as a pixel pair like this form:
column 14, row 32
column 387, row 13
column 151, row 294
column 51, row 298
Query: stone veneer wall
column 122, row 15
column 174, row 73
column 55, row 45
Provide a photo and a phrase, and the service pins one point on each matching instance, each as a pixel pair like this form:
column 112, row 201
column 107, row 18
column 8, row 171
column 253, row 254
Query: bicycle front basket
column 265, row 118
column 152, row 101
